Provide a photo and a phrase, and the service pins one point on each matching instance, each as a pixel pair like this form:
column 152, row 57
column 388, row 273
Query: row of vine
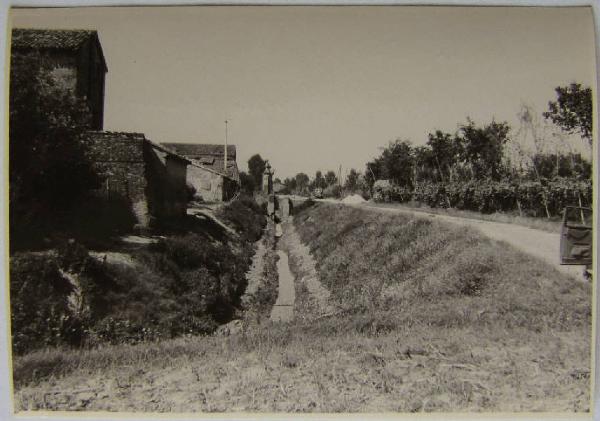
column 531, row 198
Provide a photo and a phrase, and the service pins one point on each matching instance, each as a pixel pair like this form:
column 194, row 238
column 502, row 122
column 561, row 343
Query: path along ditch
column 283, row 309
column 301, row 294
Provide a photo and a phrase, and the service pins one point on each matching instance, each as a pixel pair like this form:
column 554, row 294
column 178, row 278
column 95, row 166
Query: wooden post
column 581, row 210
column 225, row 158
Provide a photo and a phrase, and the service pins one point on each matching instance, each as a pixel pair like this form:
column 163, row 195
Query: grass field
column 429, row 317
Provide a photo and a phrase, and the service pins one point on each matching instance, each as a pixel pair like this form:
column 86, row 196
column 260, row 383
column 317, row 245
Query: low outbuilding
column 214, row 177
column 151, row 178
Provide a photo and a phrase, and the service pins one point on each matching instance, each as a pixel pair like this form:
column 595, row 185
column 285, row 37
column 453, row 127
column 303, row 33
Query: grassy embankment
column 428, row 317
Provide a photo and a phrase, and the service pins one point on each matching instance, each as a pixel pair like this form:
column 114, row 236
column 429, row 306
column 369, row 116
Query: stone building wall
column 208, row 184
column 62, row 67
column 119, row 160
column 81, row 71
column 166, row 183
column 134, row 169
column 91, row 73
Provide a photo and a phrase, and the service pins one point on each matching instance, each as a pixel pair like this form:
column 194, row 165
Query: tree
column 290, row 184
column 445, row 151
column 256, row 168
column 319, row 181
column 483, row 148
column 50, row 172
column 572, row 110
column 397, row 161
column 423, row 164
column 246, row 182
column 330, row 178
column 351, row 183
column 302, row 181
column 549, row 166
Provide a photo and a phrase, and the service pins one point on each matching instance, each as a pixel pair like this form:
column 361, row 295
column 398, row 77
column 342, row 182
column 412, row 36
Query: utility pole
column 225, row 160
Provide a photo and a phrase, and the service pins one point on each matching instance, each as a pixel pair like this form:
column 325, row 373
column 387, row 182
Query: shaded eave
column 197, row 164
column 170, row 153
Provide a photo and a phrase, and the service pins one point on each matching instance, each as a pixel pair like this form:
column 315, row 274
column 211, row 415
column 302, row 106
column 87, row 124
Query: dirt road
column 541, row 244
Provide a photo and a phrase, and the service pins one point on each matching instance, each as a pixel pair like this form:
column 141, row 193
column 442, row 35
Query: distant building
column 278, row 186
column 74, row 58
column 206, row 172
column 150, row 177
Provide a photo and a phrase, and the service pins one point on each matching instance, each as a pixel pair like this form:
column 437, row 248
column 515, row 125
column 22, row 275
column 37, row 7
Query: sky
column 315, row 88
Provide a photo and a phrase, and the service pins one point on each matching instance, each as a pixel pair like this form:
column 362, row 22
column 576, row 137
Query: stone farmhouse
column 74, row 59
column 206, row 171
column 147, row 176
column 151, row 178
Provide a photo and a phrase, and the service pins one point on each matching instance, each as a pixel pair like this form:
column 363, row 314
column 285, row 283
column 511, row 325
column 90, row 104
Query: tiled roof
column 115, row 135
column 200, row 150
column 168, row 151
column 217, row 167
column 63, row 39
column 54, row 39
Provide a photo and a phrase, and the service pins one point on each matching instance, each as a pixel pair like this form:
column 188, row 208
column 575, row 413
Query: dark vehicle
column 576, row 237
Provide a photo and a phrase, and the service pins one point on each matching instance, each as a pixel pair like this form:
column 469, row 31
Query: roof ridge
column 53, row 29
column 38, row 38
column 195, row 143
column 198, row 149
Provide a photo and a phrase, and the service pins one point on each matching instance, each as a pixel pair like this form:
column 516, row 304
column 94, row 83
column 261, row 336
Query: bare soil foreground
column 393, row 312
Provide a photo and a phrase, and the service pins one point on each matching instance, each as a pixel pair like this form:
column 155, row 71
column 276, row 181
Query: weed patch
column 261, row 301
column 187, row 283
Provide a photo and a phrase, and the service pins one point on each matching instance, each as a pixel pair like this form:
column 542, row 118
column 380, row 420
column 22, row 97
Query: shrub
column 332, row 191
column 303, row 206
column 184, row 284
column 246, row 215
column 40, row 313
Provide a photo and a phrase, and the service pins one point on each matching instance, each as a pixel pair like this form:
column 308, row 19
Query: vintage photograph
column 301, row 209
